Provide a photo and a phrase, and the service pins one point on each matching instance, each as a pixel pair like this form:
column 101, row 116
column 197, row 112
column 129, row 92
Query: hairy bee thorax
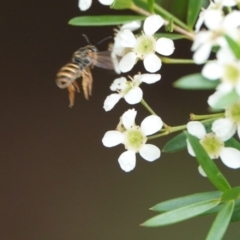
column 85, row 56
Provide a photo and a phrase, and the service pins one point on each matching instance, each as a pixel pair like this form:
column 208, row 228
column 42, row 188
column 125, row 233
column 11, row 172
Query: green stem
column 194, row 117
column 143, row 102
column 167, row 131
column 173, row 61
column 182, row 28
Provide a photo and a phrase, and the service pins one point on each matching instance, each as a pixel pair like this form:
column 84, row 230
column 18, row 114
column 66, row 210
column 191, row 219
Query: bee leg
column 76, row 87
column 71, row 95
column 87, row 81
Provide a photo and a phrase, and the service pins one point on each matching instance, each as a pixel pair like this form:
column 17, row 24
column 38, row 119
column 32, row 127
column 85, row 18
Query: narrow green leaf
column 209, row 167
column 195, row 82
column 121, row 4
column 180, row 214
column 221, row 222
column 227, row 100
column 176, row 144
column 232, row 142
column 173, row 36
column 235, row 47
column 236, row 215
column 103, row 20
column 232, row 194
column 150, row 5
column 194, row 7
column 172, row 204
column 219, row 206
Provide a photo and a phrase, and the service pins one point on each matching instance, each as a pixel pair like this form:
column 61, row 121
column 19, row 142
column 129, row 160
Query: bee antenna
column 86, row 38
column 103, row 40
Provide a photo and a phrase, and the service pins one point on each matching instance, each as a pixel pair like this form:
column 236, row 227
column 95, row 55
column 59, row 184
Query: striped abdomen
column 68, row 74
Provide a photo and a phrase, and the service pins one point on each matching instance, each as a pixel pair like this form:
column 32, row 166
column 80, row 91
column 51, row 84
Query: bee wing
column 104, row 60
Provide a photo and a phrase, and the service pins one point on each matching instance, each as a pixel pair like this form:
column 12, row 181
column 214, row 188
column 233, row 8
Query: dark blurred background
column 58, row 182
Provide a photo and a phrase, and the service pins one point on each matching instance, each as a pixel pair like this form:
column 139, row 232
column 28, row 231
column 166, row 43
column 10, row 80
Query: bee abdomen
column 68, row 74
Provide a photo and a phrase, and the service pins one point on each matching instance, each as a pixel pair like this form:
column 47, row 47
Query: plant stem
column 182, row 28
column 194, row 117
column 143, row 102
column 173, row 61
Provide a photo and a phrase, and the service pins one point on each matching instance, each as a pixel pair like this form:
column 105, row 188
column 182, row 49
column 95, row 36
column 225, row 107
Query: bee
column 82, row 61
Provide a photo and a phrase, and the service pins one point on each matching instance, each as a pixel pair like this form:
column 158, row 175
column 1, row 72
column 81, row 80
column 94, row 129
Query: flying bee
column 83, row 60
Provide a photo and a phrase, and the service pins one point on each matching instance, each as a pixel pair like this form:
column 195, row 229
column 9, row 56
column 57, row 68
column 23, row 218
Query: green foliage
column 150, row 5
column 185, row 201
column 209, row 167
column 193, row 9
column 235, row 47
column 195, row 82
column 221, row 222
column 173, row 36
column 103, row 20
column 181, row 214
column 121, row 4
column 232, row 142
column 176, row 144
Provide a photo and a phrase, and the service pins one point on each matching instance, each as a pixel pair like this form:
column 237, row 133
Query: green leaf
column 232, row 142
column 180, row 214
column 232, row 194
column 150, row 5
column 235, row 47
column 209, row 167
column 103, row 20
column 227, row 100
column 176, row 144
column 173, row 36
column 236, row 215
column 121, row 4
column 194, row 7
column 221, row 222
column 173, row 204
column 195, row 82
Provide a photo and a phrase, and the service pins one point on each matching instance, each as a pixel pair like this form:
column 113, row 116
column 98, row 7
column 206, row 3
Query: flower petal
column 106, row 2
column 196, row 129
column 127, row 62
column 128, row 118
column 223, row 128
column 127, row 161
column 164, row 46
column 202, row 53
column 213, row 18
column 132, row 26
column 201, row 171
column 230, row 157
column 152, row 63
column 84, row 4
column 152, row 24
column 134, row 95
column 149, row 78
column 190, row 149
column 111, row 101
column 118, row 84
column 150, row 152
column 112, row 138
column 151, row 124
column 212, row 70
column 126, row 38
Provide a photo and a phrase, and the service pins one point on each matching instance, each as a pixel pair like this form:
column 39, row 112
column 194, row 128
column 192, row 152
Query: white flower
column 227, row 127
column 213, row 143
column 218, row 25
column 117, row 50
column 86, row 4
column 134, row 139
column 144, row 47
column 226, row 68
column 129, row 90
